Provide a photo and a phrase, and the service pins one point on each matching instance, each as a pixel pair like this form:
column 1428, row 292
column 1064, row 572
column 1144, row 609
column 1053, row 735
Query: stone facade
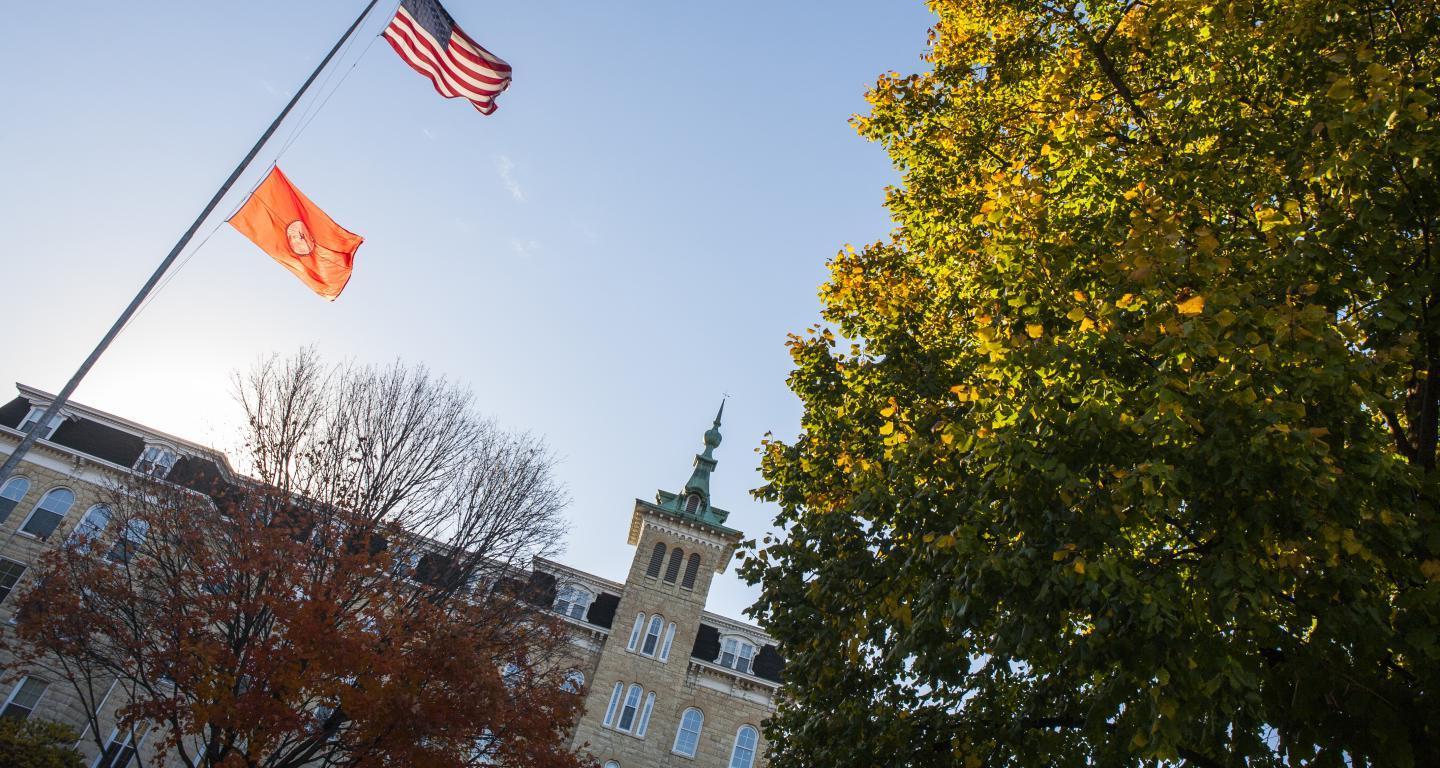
column 696, row 662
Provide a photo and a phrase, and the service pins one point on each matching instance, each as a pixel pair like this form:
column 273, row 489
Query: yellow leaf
column 1035, row 330
column 947, row 438
column 1059, row 554
column 1079, row 295
column 1192, row 306
column 1205, row 241
column 1076, row 315
column 887, row 411
column 1080, row 567
column 887, row 428
column 1086, row 324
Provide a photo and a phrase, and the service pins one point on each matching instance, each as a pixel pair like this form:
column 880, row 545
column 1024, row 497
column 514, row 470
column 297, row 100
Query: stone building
column 666, row 682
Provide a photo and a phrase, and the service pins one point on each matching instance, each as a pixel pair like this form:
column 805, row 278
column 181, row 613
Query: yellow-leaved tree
column 1123, row 448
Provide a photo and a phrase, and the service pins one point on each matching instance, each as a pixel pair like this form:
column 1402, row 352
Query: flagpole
column 64, row 394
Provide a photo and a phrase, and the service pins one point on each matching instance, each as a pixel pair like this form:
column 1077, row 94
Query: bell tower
column 681, row 542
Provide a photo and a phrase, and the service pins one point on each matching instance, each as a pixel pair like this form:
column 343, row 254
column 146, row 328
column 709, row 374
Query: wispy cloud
column 506, row 167
column 270, row 89
column 525, row 248
column 427, row 134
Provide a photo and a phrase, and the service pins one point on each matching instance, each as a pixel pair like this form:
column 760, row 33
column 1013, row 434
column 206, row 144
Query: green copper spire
column 705, row 462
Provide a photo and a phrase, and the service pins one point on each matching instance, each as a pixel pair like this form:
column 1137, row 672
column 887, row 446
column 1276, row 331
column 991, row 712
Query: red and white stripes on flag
column 428, row 39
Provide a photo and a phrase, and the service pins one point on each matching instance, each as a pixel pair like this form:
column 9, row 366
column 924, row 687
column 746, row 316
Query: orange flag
column 286, row 225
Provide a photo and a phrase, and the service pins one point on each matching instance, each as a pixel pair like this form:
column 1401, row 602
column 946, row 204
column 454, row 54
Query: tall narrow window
column 657, row 559
column 743, row 756
column 23, row 698
column 692, row 503
column 614, row 703
column 692, row 569
column 10, row 573
column 635, row 631
column 33, row 417
column 132, row 537
column 11, row 496
column 688, row 737
column 631, row 708
column 673, row 569
column 46, row 516
column 669, row 639
column 652, row 635
column 92, row 526
column 644, row 723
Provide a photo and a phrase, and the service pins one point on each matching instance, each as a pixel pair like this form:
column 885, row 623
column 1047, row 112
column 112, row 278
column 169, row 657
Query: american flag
column 428, row 39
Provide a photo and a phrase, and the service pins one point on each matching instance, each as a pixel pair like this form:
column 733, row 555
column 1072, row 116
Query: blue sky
column 629, row 237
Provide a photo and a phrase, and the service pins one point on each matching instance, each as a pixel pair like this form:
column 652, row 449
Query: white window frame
column 87, row 528
column 573, row 597
column 33, row 417
column 677, row 747
column 669, row 641
column 643, row 724
column 651, row 645
column 635, row 631
column 614, row 703
column 752, row 749
column 157, row 460
column 6, row 589
column 129, row 742
column 132, row 538
column 15, row 691
column 8, row 494
column 740, row 642
column 40, row 507
column 630, row 707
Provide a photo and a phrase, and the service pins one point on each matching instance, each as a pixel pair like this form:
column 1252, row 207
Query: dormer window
column 692, row 504
column 157, row 461
column 737, row 654
column 573, row 601
column 33, row 417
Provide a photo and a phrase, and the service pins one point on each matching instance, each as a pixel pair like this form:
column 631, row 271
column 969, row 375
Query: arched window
column 669, row 639
column 574, row 682
column 692, row 569
column 11, row 496
column 573, row 600
column 652, row 635
column 687, row 739
column 635, row 631
column 736, row 654
column 657, row 559
column 672, row 570
column 644, row 723
column 614, row 703
column 132, row 537
column 743, row 755
column 611, row 764
column 631, row 708
column 692, row 503
column 92, row 526
column 46, row 516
